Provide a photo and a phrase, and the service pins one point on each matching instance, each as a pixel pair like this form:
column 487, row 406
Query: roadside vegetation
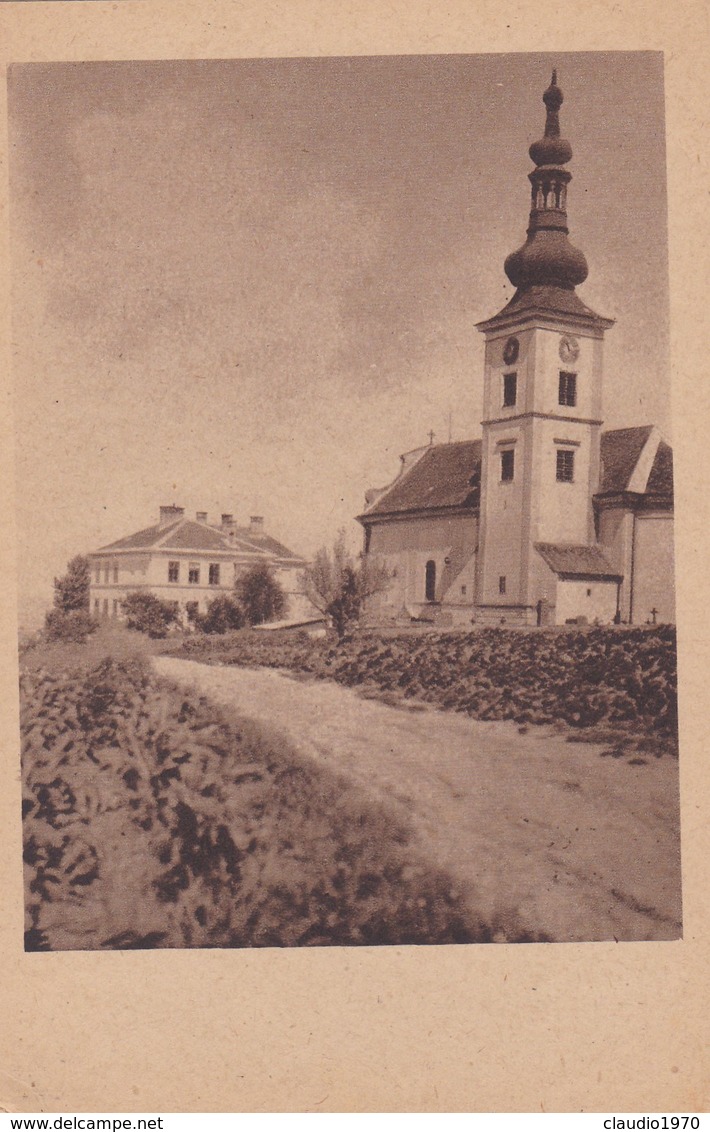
column 623, row 679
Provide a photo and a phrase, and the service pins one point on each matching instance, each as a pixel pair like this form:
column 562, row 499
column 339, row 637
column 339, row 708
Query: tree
column 69, row 619
column 338, row 585
column 260, row 595
column 71, row 592
column 222, row 614
column 148, row 614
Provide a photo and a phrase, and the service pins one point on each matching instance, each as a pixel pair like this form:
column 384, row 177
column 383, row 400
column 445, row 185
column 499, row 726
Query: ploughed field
column 225, row 806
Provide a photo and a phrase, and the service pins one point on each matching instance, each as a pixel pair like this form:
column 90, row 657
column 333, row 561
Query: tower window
column 430, row 581
column 568, row 388
column 507, row 465
column 193, row 574
column 173, row 571
column 510, row 389
column 214, row 573
column 501, row 584
column 565, row 465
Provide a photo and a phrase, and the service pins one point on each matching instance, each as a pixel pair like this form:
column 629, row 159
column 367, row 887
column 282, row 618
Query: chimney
column 227, row 522
column 256, row 524
column 170, row 514
column 201, row 516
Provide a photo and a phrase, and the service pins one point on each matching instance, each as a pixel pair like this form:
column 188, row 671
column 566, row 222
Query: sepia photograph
column 344, row 501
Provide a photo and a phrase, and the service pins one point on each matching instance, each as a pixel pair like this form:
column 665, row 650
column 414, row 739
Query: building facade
column 547, row 518
column 190, row 562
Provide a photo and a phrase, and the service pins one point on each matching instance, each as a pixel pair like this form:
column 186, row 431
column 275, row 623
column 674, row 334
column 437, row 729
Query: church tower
column 542, row 403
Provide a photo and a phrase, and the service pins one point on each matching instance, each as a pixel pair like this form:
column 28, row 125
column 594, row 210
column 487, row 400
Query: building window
column 507, row 465
column 115, row 573
column 97, row 575
column 430, row 581
column 568, row 388
column 565, row 465
column 173, row 571
column 510, row 389
column 105, row 607
column 191, row 609
column 214, row 573
column 115, row 607
column 97, row 606
column 193, row 574
column 107, row 574
column 501, row 584
column 463, row 591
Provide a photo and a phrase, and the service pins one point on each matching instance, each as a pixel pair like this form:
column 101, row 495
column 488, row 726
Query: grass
column 112, row 639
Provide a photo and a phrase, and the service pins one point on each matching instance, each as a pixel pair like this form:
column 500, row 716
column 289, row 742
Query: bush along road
column 623, row 678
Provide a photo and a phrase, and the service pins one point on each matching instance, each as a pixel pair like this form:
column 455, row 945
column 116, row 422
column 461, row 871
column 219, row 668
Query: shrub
column 148, row 614
column 260, row 595
column 222, row 615
column 74, row 626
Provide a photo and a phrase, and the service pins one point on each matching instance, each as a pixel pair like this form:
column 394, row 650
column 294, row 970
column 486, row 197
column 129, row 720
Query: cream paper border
column 595, row 1027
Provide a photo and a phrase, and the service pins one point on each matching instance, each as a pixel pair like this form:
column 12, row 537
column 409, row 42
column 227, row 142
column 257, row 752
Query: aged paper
column 469, row 1028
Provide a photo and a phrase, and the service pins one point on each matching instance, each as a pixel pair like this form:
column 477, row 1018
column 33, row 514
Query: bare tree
column 338, row 584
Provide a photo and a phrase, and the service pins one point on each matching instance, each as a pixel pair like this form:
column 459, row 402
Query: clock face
column 569, row 349
column 511, row 351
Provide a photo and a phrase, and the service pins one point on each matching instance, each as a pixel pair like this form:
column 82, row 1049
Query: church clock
column 569, row 349
column 511, row 351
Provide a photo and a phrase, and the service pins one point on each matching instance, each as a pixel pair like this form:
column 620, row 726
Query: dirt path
column 533, row 828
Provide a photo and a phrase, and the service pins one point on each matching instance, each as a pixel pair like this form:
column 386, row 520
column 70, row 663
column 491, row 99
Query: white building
column 190, row 562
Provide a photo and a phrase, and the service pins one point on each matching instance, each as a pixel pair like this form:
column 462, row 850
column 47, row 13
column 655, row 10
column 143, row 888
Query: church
column 548, row 519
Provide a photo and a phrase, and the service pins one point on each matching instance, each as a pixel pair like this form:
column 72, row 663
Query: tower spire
column 548, row 258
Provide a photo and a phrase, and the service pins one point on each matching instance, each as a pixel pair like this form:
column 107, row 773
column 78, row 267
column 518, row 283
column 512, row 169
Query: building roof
column 660, row 480
column 191, row 535
column 449, row 475
column 149, row 536
column 545, row 299
column 576, row 561
column 445, row 476
column 266, row 544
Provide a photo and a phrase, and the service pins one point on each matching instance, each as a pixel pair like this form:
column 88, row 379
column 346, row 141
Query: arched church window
column 430, row 580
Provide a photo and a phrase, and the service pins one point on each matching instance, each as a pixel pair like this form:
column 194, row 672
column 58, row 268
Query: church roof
column 573, row 561
column 660, row 481
column 620, row 451
column 636, row 460
column 449, row 475
column 188, row 534
column 445, row 476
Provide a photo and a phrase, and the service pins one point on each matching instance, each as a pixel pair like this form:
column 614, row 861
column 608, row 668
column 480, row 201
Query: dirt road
column 536, row 830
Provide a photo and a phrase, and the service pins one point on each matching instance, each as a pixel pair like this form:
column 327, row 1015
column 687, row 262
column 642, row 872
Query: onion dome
column 548, row 258
column 552, row 149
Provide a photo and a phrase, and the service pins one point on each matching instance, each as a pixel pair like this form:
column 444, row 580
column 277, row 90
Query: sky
column 247, row 286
